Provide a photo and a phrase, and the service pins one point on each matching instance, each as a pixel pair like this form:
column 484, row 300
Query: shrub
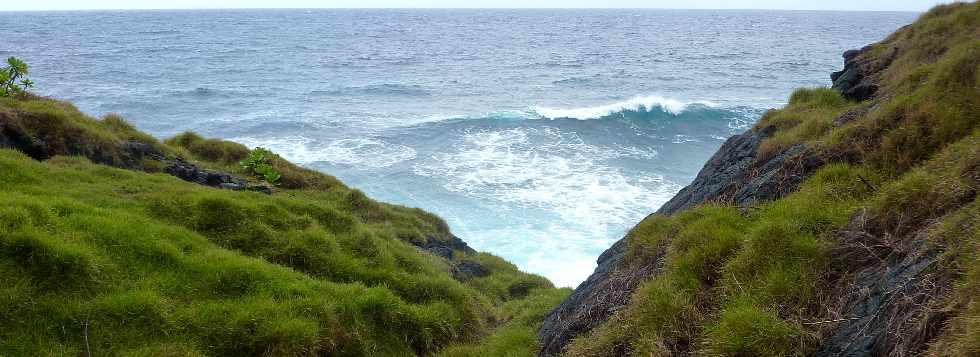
column 259, row 163
column 13, row 78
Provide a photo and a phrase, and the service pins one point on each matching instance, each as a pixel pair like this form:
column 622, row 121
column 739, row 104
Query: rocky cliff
column 886, row 290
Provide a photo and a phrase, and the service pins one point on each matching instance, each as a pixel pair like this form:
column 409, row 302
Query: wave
column 635, row 105
column 641, row 109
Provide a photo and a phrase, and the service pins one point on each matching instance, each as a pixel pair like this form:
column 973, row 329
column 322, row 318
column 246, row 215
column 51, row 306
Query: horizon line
column 451, row 8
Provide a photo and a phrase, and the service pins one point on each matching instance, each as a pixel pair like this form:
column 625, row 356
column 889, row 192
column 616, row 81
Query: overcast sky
column 898, row 5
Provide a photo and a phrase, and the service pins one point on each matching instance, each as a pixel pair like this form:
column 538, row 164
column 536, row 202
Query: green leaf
column 17, row 66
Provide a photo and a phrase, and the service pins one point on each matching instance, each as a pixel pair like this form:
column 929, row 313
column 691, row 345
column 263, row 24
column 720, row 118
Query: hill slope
column 845, row 223
column 114, row 243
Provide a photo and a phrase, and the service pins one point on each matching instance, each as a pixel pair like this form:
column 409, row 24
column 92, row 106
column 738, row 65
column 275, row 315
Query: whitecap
column 643, row 103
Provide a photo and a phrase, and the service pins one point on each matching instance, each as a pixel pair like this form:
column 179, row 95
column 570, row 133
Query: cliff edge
column 841, row 225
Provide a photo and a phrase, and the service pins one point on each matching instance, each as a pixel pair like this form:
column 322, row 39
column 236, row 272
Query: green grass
column 960, row 233
column 138, row 264
column 810, row 114
column 210, row 150
column 519, row 320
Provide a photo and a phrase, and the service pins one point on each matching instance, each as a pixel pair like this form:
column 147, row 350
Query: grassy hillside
column 96, row 260
column 904, row 171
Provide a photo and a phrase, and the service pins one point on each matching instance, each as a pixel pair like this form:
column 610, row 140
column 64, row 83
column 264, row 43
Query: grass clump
column 210, row 150
column 746, row 330
column 809, row 115
column 960, row 233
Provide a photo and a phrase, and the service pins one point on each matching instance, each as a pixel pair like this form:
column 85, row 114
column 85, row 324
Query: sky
column 878, row 5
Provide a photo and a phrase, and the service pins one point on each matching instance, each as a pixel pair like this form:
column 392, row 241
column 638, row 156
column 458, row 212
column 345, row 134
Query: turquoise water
column 540, row 135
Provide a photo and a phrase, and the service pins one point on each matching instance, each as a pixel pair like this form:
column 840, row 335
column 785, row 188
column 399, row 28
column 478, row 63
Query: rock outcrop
column 129, row 154
column 858, row 81
column 444, row 247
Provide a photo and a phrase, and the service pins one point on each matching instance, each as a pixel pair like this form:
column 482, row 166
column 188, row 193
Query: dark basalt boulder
column 858, row 81
column 189, row 172
column 192, row 173
column 468, row 269
column 447, row 248
column 853, row 81
column 444, row 247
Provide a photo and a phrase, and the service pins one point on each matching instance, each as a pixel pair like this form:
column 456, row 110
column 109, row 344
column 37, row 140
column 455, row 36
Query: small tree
column 13, row 78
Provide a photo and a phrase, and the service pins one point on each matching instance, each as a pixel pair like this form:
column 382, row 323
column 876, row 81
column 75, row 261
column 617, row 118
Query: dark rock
column 444, row 247
column 858, row 80
column 135, row 152
column 15, row 137
column 722, row 171
column 187, row 171
column 850, row 54
column 890, row 293
column 468, row 269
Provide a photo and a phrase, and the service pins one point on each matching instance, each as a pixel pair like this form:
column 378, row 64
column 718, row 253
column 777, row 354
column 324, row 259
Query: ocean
column 541, row 136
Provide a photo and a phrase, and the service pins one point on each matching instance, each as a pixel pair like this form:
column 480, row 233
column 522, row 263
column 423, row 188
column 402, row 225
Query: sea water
column 541, row 136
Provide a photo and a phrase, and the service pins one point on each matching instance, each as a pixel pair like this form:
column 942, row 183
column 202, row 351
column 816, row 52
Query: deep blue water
column 540, row 135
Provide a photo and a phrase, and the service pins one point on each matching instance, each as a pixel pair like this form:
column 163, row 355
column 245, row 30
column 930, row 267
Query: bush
column 13, row 78
column 259, row 163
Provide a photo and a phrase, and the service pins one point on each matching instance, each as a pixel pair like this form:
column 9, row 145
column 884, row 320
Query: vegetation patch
column 97, row 260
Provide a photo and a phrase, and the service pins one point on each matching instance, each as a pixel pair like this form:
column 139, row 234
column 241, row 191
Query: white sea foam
column 644, row 103
column 556, row 172
column 360, row 152
column 552, row 171
column 563, row 255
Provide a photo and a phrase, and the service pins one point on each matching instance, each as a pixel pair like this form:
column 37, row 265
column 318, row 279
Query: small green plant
column 13, row 78
column 259, row 163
